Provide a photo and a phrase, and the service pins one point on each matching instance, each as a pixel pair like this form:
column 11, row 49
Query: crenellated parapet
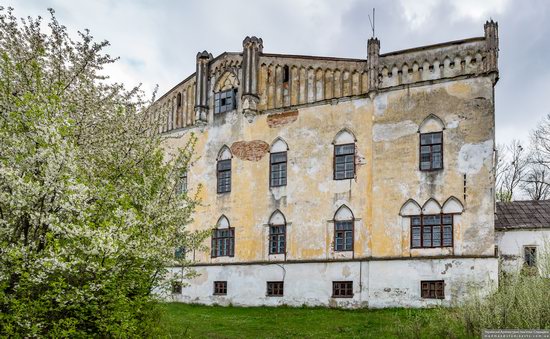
column 432, row 63
column 263, row 82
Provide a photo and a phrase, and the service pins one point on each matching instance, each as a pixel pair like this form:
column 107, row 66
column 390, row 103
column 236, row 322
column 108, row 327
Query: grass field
column 195, row 321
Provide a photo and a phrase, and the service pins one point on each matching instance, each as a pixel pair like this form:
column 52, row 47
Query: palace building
column 341, row 182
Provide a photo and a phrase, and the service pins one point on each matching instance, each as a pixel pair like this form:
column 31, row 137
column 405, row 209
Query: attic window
column 225, row 101
column 286, row 74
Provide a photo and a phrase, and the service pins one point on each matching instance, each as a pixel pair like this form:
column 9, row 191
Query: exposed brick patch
column 279, row 119
column 250, row 150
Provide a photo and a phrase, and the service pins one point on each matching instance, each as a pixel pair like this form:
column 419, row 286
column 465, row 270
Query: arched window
column 277, row 233
column 277, row 163
column 223, row 239
column 344, row 155
column 223, row 170
column 432, row 225
column 343, row 229
column 431, row 143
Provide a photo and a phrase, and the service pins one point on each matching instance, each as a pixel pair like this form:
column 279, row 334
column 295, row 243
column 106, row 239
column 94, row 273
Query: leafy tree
column 89, row 213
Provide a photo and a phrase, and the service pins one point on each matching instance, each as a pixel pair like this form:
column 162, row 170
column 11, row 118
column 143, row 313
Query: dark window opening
column 277, row 169
column 286, row 74
column 224, row 176
column 225, row 101
column 179, row 252
column 342, row 289
column 220, row 287
column 431, row 151
column 177, row 287
column 277, row 239
column 275, row 288
column 182, row 183
column 344, row 161
column 432, row 289
column 343, row 235
column 178, row 100
column 530, row 256
column 223, row 242
column 428, row 231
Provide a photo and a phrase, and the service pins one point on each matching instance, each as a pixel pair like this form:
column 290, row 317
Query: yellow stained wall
column 387, row 174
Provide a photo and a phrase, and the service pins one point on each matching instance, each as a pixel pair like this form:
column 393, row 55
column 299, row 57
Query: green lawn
column 195, row 321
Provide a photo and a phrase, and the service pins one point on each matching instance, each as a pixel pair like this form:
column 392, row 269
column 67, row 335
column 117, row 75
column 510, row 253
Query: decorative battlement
column 266, row 82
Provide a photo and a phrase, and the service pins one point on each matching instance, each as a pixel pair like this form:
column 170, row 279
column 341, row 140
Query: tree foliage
column 89, row 214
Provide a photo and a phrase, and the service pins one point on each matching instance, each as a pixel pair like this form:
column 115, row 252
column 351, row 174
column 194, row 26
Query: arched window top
column 452, row 206
column 343, row 214
column 431, row 207
column 432, row 123
column 345, row 136
column 224, row 153
column 226, row 81
column 223, row 222
column 410, row 208
column 277, row 218
column 279, row 145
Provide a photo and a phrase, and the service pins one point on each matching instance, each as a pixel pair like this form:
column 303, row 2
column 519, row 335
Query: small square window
column 432, row 289
column 177, row 287
column 220, row 287
column 225, row 101
column 275, row 288
column 342, row 289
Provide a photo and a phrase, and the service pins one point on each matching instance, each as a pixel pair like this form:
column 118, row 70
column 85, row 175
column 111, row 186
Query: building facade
column 341, row 182
column 522, row 230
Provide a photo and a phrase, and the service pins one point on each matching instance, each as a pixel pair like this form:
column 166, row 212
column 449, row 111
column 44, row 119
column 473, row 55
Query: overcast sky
column 157, row 41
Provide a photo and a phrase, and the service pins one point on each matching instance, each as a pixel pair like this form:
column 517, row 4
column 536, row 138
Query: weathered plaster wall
column 466, row 110
column 511, row 243
column 375, row 283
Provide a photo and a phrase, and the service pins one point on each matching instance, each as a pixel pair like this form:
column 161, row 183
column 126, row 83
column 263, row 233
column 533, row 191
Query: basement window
column 177, row 287
column 342, row 289
column 220, row 287
column 432, row 289
column 275, row 288
column 530, row 256
column 429, row 231
column 431, row 151
column 225, row 101
column 344, row 161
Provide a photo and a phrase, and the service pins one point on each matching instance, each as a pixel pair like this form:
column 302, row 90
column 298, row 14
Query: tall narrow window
column 277, row 233
column 343, row 229
column 178, row 100
column 344, row 155
column 223, row 239
column 223, row 170
column 530, row 256
column 182, row 183
column 286, row 74
column 224, row 101
column 431, row 151
column 429, row 231
column 277, row 163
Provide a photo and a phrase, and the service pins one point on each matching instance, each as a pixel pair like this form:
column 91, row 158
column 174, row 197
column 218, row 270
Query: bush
column 89, row 214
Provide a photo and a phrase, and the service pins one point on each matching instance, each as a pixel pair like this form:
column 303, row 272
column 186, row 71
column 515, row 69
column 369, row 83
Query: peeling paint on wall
column 250, row 150
column 279, row 119
column 472, row 156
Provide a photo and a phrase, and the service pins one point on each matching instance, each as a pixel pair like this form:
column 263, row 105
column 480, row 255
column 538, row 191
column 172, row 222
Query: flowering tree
column 89, row 213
